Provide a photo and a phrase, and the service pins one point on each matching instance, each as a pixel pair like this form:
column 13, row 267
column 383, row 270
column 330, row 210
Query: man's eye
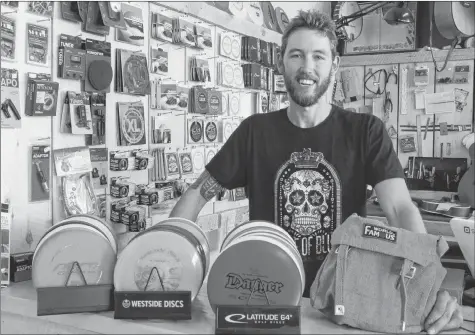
column 295, row 56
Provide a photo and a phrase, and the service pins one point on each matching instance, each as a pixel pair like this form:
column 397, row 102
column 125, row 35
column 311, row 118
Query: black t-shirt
column 307, row 180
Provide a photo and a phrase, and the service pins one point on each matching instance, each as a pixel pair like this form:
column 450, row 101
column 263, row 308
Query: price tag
column 168, row 305
column 258, row 319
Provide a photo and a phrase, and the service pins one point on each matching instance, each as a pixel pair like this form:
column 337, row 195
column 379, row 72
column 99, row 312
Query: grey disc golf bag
column 379, row 278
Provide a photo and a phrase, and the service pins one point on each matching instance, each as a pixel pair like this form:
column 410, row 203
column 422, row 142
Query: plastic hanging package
column 78, row 194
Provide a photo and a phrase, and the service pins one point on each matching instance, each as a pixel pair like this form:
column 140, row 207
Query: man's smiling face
column 307, row 65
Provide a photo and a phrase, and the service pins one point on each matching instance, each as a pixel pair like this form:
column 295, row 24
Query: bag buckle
column 411, row 273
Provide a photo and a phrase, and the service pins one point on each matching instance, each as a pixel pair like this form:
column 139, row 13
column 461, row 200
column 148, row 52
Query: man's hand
column 445, row 315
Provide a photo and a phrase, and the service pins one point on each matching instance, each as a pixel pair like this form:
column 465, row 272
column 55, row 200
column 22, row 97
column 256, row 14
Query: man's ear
column 280, row 62
column 336, row 64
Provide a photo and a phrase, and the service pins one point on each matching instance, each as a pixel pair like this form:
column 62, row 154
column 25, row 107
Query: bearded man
column 306, row 167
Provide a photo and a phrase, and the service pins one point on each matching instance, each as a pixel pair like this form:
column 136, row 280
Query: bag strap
column 408, row 272
column 342, row 256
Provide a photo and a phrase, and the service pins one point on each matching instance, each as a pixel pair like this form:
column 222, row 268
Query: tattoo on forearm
column 209, row 186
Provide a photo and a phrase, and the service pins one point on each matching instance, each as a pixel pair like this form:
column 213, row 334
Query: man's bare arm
column 196, row 196
column 397, row 205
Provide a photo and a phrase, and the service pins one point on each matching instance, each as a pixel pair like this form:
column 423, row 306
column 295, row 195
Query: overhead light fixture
column 399, row 14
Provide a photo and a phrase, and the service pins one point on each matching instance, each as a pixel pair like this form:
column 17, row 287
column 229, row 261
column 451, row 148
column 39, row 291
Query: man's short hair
column 313, row 20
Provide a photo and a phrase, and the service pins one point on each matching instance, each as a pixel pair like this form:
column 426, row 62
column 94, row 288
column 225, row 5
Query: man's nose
column 308, row 63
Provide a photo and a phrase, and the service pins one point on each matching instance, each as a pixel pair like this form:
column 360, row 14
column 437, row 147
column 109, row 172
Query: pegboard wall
column 397, row 106
column 32, row 219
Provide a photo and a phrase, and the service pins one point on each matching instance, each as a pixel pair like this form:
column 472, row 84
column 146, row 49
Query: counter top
column 19, row 316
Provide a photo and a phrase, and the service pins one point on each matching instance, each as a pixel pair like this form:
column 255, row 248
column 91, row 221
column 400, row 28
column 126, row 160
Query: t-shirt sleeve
column 381, row 159
column 228, row 166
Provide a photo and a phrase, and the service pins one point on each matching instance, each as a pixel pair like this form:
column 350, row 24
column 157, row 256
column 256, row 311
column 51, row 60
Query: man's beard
column 306, row 99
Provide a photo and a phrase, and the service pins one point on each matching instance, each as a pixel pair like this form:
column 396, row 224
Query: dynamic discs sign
column 133, row 126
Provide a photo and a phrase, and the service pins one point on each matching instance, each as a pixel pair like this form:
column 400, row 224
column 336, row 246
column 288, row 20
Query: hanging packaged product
column 112, row 14
column 98, row 66
column 460, row 99
column 121, row 188
column 230, row 45
column 184, row 32
column 199, row 103
column 43, row 8
column 134, row 216
column 215, row 102
column 80, row 113
column 37, row 45
column 203, row 37
column 10, row 99
column 41, row 96
column 99, row 169
column 161, row 129
column 93, row 22
column 121, row 161
column 195, row 131
column 143, row 160
column 40, row 172
column 71, row 58
column 225, row 102
column 78, row 252
column 7, row 38
column 185, row 162
column 169, row 97
column 210, row 152
column 199, row 69
column 131, row 124
column 132, row 73
column 146, row 196
column 169, row 277
column 98, row 111
column 182, row 93
column 134, row 32
column 254, row 253
column 162, row 27
column 234, row 104
column 227, row 128
column 70, row 11
column 172, row 164
column 73, row 166
column 159, row 61
column 198, row 159
column 461, row 74
column 421, row 76
column 211, row 130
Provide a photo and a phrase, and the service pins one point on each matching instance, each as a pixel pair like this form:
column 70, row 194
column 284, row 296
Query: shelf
column 222, row 19
column 421, row 56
